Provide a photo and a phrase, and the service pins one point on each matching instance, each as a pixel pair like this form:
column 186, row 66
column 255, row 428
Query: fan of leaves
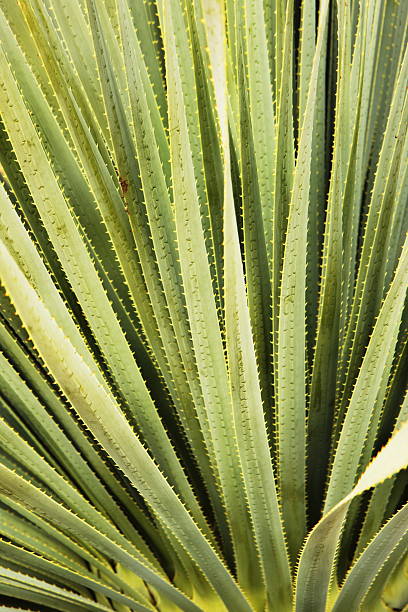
column 203, row 330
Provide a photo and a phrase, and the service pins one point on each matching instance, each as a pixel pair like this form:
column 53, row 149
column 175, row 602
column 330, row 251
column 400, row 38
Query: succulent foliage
column 203, row 328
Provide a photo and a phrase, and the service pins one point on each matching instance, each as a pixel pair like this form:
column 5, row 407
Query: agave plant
column 203, row 338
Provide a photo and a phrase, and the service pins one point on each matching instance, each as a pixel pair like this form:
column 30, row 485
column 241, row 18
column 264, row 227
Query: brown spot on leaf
column 124, row 185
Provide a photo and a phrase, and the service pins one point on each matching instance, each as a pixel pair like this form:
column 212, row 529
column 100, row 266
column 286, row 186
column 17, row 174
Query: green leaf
column 74, row 377
column 372, row 379
column 291, row 355
column 364, row 571
column 70, row 577
column 316, row 560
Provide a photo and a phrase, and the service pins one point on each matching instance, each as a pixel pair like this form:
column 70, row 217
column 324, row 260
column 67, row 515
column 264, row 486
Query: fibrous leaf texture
column 203, row 305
